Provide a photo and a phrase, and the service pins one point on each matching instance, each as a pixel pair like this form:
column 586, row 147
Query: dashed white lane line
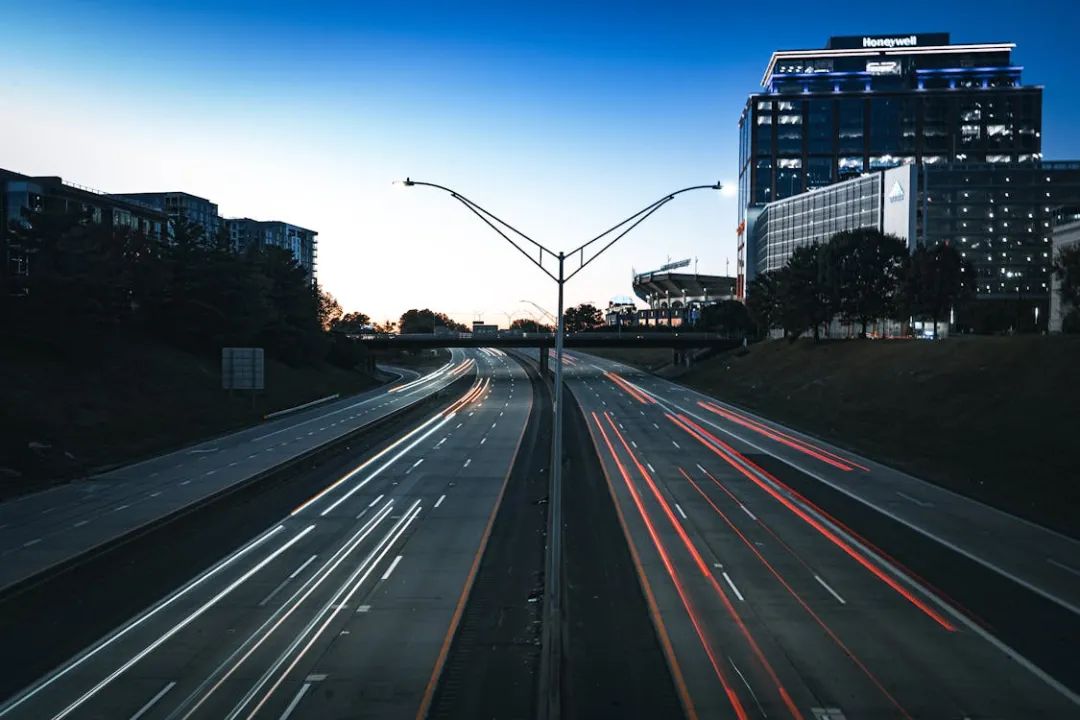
column 656, row 426
column 732, row 585
column 35, row 541
column 651, row 468
column 209, row 472
column 441, row 442
column 80, row 523
column 118, row 508
column 917, row 501
column 439, row 501
column 390, row 570
column 152, row 701
column 468, row 461
column 471, row 414
column 642, row 412
column 679, row 508
column 459, row 426
column 483, row 440
column 184, row 482
column 747, row 511
column 1063, row 566
column 155, row 494
column 300, row 569
column 295, row 701
column 375, row 502
column 831, row 591
column 275, row 591
column 634, row 444
column 251, row 457
column 676, row 445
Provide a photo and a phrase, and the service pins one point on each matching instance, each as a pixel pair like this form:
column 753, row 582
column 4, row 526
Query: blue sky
column 561, row 117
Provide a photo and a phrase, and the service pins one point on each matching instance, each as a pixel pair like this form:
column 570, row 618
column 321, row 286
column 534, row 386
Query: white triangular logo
column 897, row 192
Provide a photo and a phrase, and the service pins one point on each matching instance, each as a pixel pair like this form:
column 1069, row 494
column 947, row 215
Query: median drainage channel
column 612, row 662
column 102, row 589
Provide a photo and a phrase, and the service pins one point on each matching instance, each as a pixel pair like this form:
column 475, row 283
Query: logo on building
column 897, row 193
column 890, row 42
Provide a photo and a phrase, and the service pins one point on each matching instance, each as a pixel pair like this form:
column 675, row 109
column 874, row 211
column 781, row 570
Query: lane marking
column 732, row 584
column 118, row 508
column 831, row 591
column 651, row 468
column 363, row 608
column 656, row 426
column 80, row 523
column 35, row 541
column 295, row 701
column 375, row 502
column 747, row 511
column 749, row 689
column 150, row 703
column 440, row 500
column 274, row 592
column 468, row 461
column 483, row 440
column 634, row 444
column 920, row 503
column 679, row 508
column 415, row 464
column 393, row 564
column 1063, row 566
column 300, row 569
column 676, row 445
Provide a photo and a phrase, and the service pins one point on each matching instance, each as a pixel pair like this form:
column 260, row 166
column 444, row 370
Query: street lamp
column 552, row 594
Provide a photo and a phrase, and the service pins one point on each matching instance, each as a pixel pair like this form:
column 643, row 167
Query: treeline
column 861, row 277
column 191, row 291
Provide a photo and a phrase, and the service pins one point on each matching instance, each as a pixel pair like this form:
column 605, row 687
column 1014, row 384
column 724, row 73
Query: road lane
column 321, row 600
column 772, row 605
column 43, row 530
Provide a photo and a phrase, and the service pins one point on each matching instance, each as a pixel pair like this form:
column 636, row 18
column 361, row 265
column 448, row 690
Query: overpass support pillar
column 544, row 362
column 682, row 358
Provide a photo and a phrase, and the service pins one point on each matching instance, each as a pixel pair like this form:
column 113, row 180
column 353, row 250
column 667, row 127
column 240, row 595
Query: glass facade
column 816, row 216
column 830, row 115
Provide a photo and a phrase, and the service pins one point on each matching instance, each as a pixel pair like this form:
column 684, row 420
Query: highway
column 46, row 529
column 768, row 605
column 345, row 607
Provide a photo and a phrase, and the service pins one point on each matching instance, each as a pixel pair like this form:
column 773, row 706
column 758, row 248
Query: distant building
column 621, row 312
column 675, row 298
column 192, row 208
column 868, row 103
column 246, row 233
column 1066, row 235
column 21, row 195
column 999, row 217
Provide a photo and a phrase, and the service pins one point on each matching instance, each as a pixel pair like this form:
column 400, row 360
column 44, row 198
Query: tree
column 804, row 300
column 530, row 326
column 425, row 321
column 353, row 322
column 935, row 282
column 582, row 317
column 763, row 301
column 863, row 272
column 386, row 327
column 727, row 316
column 330, row 310
column 1067, row 270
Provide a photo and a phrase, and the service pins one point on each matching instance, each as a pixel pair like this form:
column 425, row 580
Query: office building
column 1066, row 236
column 246, row 233
column 22, row 196
column 181, row 205
column 999, row 216
column 868, row 103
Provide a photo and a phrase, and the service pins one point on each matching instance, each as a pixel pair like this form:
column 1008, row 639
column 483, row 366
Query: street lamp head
column 404, row 183
column 717, row 186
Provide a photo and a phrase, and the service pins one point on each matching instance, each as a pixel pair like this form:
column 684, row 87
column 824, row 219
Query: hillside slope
column 994, row 418
column 70, row 406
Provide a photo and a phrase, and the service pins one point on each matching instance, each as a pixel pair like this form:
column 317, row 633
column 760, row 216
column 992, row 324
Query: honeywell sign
column 890, row 42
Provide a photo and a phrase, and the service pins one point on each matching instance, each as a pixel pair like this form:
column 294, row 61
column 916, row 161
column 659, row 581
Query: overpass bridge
column 681, row 343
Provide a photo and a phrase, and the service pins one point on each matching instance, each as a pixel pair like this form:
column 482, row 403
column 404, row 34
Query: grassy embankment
column 69, row 408
column 993, row 418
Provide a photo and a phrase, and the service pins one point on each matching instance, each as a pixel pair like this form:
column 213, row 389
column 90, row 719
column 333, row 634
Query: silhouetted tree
column 936, row 282
column 863, row 272
column 804, row 298
column 582, row 317
column 425, row 321
column 530, row 326
column 763, row 301
column 727, row 316
column 353, row 322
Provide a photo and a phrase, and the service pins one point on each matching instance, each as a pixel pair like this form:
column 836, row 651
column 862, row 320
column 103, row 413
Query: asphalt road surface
column 769, row 603
column 44, row 530
column 344, row 608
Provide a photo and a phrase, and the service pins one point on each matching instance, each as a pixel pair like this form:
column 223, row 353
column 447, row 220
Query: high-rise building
column 865, row 103
column 181, row 205
column 246, row 233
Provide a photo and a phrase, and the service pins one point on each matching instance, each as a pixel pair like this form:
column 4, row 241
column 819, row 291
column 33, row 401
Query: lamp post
column 550, row 702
